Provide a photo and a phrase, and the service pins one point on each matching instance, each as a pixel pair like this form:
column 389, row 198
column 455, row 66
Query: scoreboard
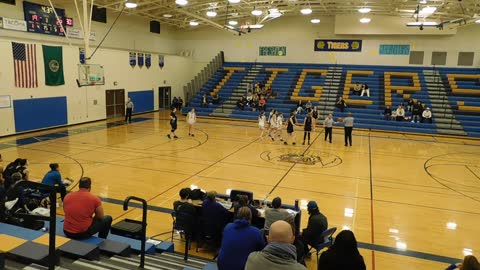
column 41, row 19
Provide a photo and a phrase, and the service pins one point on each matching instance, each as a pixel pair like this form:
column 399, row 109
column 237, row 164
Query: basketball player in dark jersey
column 173, row 123
column 307, row 127
column 292, row 121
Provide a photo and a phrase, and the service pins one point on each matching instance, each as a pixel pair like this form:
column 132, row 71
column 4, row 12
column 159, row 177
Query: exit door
column 115, row 103
column 164, row 99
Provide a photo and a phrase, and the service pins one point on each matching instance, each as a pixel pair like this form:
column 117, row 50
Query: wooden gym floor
column 412, row 201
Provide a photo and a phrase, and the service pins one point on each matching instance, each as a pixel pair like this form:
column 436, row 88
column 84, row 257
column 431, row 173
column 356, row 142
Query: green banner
column 52, row 60
column 273, row 51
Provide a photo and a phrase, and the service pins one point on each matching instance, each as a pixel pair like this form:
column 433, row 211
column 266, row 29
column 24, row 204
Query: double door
column 115, row 103
column 164, row 97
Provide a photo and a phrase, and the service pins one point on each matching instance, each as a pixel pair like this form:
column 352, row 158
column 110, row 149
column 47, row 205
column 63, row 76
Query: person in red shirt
column 84, row 215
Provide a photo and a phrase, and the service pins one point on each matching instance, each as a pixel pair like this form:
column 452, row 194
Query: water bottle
column 296, row 205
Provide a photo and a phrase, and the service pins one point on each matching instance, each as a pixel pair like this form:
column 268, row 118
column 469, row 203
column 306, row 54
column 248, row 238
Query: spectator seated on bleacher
column 242, row 102
column 215, row 99
column 427, row 116
column 214, row 215
column 416, row 112
column 275, row 213
column 269, row 93
column 279, row 254
column 53, row 177
column 84, row 214
column 317, row 224
column 204, row 101
column 343, row 254
column 240, row 239
column 357, row 89
column 387, row 113
column 243, row 201
column 400, row 113
column 365, row 89
column 254, row 102
column 9, row 171
column 341, row 104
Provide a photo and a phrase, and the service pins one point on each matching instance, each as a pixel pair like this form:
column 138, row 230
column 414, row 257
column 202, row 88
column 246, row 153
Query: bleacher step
column 451, row 132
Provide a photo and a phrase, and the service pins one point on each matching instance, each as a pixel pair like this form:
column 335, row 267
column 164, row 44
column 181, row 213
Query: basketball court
column 412, row 200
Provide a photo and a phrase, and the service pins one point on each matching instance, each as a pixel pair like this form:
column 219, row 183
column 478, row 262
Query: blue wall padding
column 142, row 101
column 38, row 113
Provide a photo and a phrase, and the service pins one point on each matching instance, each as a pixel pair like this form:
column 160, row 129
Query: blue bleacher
column 366, row 116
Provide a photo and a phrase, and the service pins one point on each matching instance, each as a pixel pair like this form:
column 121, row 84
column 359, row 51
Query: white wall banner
column 1, row 22
column 78, row 33
column 12, row 24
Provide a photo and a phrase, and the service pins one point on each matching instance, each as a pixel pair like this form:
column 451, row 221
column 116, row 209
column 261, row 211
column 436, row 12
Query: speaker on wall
column 155, row 27
column 11, row 2
column 99, row 14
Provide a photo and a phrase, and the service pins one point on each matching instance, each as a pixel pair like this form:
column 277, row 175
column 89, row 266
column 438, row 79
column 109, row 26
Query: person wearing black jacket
column 387, row 113
column 317, row 224
column 416, row 112
column 343, row 254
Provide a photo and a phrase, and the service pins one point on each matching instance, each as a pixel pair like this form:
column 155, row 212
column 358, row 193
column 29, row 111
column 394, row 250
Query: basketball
column 340, row 119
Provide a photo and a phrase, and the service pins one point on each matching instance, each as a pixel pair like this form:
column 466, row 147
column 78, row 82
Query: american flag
column 25, row 65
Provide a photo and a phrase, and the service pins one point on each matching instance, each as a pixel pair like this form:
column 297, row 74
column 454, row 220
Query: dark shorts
column 290, row 130
column 308, row 129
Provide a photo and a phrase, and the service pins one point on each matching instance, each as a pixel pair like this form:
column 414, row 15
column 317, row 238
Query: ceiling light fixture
column 234, row 1
column 181, row 2
column 257, row 12
column 364, row 10
column 194, row 23
column 274, row 13
column 211, row 13
column 423, row 2
column 167, row 15
column 365, row 20
column 233, row 22
column 427, row 11
column 422, row 24
column 252, row 26
column 315, row 20
column 130, row 4
column 306, row 11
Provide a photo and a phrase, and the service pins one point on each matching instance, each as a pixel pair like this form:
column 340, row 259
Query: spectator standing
column 308, row 106
column 262, row 104
column 240, row 239
column 343, row 254
column 317, row 224
column 128, row 113
column 410, row 104
column 365, row 89
column 53, row 177
column 348, row 122
column 179, row 103
column 279, row 254
column 299, row 107
column 174, row 102
column 416, row 112
column 84, row 214
column 341, row 104
column 427, row 116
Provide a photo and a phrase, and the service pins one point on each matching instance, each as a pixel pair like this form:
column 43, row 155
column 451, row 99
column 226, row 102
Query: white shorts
column 191, row 122
column 261, row 126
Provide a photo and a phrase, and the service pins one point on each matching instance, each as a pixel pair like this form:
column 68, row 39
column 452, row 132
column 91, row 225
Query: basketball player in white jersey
column 273, row 126
column 261, row 123
column 279, row 125
column 191, row 120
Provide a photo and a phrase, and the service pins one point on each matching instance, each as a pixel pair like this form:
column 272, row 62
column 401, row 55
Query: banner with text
column 393, row 49
column 272, row 51
column 338, row 45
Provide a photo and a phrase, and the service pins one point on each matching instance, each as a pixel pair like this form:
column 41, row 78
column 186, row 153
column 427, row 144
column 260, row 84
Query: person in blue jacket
column 53, row 177
column 240, row 239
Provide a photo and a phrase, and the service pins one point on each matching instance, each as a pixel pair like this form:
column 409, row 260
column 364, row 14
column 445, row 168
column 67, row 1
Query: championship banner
column 133, row 59
column 338, row 45
column 161, row 61
column 140, row 59
column 272, row 51
column 148, row 60
column 392, row 49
